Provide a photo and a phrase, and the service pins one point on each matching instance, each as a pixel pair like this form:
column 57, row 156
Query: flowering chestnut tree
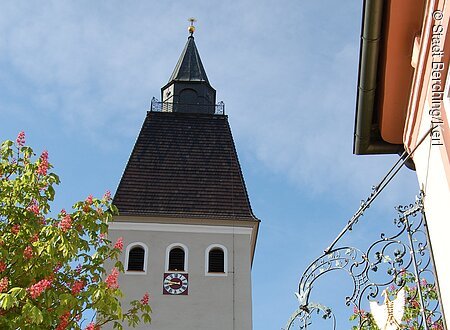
column 52, row 268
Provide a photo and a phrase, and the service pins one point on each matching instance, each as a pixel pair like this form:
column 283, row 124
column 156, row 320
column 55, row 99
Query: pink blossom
column 90, row 326
column 111, row 279
column 2, row 266
column 43, row 165
column 15, row 229
column 144, row 300
column 66, row 223
column 34, row 238
column 89, row 200
column 36, row 289
column 78, row 268
column 20, row 139
column 28, row 252
column 359, row 312
column 33, row 207
column 107, row 195
column 119, row 244
column 63, row 321
column 57, row 268
column 436, row 326
column 77, row 286
column 4, row 284
column 423, row 282
column 101, row 237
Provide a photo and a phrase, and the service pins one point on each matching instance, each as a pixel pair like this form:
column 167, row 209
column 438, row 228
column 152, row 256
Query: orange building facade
column 403, row 96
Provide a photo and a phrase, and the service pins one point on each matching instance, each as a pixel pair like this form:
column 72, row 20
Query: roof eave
column 187, row 81
column 254, row 240
column 142, row 214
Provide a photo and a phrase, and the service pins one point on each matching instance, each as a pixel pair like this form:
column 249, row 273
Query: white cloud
column 288, row 80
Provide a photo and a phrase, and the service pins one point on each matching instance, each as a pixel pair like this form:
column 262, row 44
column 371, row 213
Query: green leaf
column 146, row 318
column 65, row 299
column 50, row 193
column 18, row 293
column 117, row 325
column 36, row 315
column 6, row 301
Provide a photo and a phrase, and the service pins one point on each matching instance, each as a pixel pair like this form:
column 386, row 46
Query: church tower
column 184, row 214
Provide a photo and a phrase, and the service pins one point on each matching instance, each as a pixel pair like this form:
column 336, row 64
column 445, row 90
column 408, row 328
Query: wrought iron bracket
column 384, row 264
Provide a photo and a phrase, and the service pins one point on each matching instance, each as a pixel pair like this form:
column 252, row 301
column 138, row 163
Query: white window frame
column 225, row 260
column 186, row 257
column 127, row 254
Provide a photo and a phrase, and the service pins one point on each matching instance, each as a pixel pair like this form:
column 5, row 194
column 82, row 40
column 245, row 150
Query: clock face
column 175, row 284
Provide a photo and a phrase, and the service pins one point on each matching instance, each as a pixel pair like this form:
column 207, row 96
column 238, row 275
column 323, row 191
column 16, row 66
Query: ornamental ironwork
column 391, row 263
column 157, row 106
column 399, row 266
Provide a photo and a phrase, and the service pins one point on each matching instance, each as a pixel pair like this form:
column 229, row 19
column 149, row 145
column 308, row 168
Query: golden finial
column 191, row 27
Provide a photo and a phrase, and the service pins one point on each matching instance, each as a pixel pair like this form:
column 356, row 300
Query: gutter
column 365, row 142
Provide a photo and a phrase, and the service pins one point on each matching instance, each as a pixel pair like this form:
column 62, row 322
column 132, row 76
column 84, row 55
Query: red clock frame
column 176, row 284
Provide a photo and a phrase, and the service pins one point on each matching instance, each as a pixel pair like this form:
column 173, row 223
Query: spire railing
column 157, row 106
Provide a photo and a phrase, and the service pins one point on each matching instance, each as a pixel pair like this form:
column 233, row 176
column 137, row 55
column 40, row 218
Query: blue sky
column 78, row 77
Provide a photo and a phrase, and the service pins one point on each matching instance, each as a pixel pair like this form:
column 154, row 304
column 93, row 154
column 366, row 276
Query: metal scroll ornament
column 157, row 106
column 392, row 265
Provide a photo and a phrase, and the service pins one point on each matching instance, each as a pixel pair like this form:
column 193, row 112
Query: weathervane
column 191, row 27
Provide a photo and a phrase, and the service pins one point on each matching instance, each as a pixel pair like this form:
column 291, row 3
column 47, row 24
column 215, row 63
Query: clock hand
column 173, row 283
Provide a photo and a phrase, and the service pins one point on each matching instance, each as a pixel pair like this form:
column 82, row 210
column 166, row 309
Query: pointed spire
column 188, row 89
column 189, row 66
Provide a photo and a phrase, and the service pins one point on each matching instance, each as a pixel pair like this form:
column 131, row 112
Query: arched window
column 216, row 260
column 188, row 96
column 136, row 258
column 177, row 258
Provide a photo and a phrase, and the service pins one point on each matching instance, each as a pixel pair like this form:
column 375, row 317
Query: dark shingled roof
column 184, row 165
column 189, row 66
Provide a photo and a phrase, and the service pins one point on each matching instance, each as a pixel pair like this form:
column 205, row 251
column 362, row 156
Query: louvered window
column 136, row 259
column 216, row 261
column 176, row 259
